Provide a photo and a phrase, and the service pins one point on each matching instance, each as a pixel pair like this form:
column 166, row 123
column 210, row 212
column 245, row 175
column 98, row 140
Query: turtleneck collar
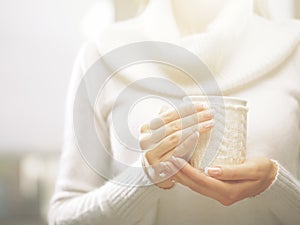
column 238, row 46
column 160, row 17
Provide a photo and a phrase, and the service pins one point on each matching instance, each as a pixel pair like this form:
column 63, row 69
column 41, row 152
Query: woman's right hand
column 174, row 132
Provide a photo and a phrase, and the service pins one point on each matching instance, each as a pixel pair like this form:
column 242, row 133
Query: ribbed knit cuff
column 283, row 197
column 131, row 195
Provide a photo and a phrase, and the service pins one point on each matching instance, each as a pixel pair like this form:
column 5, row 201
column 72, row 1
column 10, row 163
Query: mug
column 225, row 143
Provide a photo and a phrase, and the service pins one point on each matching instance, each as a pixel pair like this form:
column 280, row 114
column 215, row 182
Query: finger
column 184, row 180
column 244, row 171
column 198, row 176
column 170, row 168
column 204, row 117
column 145, row 128
column 205, row 185
column 190, row 171
column 194, row 184
column 159, row 176
column 174, row 114
column 167, row 144
column 150, row 140
column 166, row 184
column 226, row 192
column 177, row 175
column 185, row 149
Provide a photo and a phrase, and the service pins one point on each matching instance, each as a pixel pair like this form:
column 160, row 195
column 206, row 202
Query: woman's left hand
column 226, row 184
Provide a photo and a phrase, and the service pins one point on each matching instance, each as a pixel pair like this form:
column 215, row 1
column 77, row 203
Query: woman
column 251, row 57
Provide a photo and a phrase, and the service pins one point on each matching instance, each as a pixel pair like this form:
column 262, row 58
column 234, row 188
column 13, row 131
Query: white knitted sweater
column 252, row 58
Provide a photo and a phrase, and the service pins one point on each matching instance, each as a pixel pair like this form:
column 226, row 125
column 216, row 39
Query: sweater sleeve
column 83, row 197
column 283, row 197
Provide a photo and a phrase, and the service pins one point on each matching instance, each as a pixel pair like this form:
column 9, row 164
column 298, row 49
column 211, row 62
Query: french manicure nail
column 180, row 162
column 174, row 158
column 195, row 134
column 210, row 124
column 176, row 161
column 162, row 174
column 213, row 171
column 208, row 113
column 200, row 106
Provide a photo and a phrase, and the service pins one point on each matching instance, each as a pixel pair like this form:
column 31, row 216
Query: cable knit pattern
column 226, row 142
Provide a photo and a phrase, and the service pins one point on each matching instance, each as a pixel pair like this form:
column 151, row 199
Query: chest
column 273, row 118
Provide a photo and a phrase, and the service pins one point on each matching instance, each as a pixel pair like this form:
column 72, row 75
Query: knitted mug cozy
column 225, row 143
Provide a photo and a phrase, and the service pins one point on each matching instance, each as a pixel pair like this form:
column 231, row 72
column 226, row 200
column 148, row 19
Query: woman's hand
column 173, row 133
column 226, row 184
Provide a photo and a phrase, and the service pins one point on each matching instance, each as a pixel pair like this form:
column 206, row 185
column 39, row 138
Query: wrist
column 273, row 171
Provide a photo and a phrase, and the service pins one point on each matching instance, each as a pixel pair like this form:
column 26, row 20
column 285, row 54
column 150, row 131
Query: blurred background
column 39, row 41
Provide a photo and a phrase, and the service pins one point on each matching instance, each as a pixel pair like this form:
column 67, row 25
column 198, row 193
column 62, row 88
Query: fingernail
column 179, row 162
column 194, row 135
column 155, row 123
column 213, row 171
column 164, row 108
column 162, row 174
column 209, row 113
column 210, row 124
column 201, row 106
column 174, row 158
